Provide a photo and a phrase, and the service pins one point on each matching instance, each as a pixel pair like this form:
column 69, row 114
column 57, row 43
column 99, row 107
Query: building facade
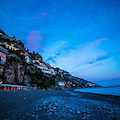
column 2, row 58
column 3, row 53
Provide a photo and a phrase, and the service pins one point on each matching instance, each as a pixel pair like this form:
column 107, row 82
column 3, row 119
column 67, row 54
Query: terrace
column 5, row 87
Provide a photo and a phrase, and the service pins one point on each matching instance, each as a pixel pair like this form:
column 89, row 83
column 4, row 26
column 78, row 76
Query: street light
column 1, row 82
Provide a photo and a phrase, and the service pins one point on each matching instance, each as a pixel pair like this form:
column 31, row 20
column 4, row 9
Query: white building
column 61, row 83
column 44, row 69
column 27, row 59
column 33, row 61
column 13, row 87
column 1, row 34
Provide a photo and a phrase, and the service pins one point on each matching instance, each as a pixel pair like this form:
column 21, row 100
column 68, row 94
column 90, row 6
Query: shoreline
column 114, row 90
column 88, row 93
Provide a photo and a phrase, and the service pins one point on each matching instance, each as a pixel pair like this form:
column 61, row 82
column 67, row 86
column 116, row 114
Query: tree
column 13, row 36
column 57, row 69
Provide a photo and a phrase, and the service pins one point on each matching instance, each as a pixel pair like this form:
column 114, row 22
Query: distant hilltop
column 21, row 67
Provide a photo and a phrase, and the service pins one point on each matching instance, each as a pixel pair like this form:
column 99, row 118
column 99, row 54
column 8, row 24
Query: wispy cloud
column 33, row 40
column 102, row 58
column 98, row 58
column 96, row 42
column 54, row 50
column 41, row 15
column 52, row 59
column 84, row 61
column 83, row 54
column 86, row 68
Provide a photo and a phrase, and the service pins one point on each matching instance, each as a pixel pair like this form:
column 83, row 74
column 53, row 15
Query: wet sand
column 58, row 105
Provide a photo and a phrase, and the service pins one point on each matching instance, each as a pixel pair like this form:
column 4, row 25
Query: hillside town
column 22, row 69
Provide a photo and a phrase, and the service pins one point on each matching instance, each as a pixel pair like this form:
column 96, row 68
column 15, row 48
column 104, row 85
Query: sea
column 109, row 87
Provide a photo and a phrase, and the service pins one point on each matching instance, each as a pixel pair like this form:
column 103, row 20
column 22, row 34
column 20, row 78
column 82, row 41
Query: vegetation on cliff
column 28, row 68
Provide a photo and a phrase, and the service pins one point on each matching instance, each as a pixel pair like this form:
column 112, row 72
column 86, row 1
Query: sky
column 79, row 36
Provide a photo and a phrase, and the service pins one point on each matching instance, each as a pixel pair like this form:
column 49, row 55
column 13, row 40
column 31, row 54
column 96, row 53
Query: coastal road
column 57, row 105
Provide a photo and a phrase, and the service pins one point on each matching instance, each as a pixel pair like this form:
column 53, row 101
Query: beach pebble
column 33, row 115
column 78, row 112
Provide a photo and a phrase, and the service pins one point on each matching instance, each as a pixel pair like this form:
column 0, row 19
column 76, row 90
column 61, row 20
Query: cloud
column 98, row 58
column 103, row 57
column 88, row 53
column 78, row 72
column 52, row 59
column 96, row 42
column 81, row 55
column 33, row 40
column 85, row 61
column 41, row 15
column 89, row 61
column 100, row 40
column 54, row 50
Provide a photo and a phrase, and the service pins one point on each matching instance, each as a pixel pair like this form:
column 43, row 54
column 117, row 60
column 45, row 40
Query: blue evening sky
column 80, row 36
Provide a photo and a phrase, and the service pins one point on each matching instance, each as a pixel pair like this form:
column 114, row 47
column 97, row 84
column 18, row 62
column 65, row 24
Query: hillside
column 76, row 82
column 20, row 66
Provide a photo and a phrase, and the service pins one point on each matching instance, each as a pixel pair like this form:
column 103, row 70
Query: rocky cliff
column 14, row 73
column 75, row 82
column 28, row 68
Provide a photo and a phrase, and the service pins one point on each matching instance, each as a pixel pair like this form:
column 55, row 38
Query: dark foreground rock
column 57, row 105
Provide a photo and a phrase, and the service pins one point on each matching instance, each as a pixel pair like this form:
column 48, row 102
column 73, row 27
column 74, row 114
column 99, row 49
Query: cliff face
column 76, row 82
column 26, row 68
column 14, row 73
column 18, row 72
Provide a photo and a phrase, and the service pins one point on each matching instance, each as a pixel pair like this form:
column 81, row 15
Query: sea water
column 110, row 87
